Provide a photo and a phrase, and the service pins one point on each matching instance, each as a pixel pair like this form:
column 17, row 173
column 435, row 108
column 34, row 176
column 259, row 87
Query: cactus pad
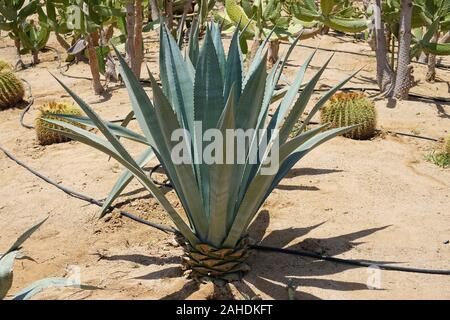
column 46, row 136
column 11, row 90
column 346, row 109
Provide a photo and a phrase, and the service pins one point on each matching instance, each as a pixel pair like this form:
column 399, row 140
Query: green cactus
column 335, row 14
column 346, row 109
column 5, row 66
column 11, row 90
column 447, row 145
column 44, row 133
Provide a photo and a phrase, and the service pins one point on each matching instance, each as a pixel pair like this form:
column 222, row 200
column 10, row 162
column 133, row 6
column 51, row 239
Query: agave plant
column 219, row 199
column 6, row 271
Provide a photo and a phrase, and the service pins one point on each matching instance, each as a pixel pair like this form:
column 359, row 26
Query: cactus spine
column 346, row 109
column 447, row 145
column 5, row 66
column 11, row 89
column 44, row 133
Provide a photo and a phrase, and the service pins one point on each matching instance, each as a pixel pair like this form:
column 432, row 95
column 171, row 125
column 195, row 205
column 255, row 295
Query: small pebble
column 446, row 242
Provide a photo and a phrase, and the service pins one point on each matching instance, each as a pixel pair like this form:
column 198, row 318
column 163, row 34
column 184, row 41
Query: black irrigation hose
column 164, row 228
column 83, row 197
column 163, row 184
column 408, row 135
column 27, row 108
column 349, row 262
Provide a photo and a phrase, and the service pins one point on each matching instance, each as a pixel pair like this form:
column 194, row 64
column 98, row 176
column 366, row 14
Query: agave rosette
column 206, row 85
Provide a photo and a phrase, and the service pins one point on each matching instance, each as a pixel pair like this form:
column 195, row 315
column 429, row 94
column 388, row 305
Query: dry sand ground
column 374, row 200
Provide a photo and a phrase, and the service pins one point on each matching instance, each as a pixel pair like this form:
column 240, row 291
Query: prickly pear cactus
column 11, row 90
column 346, row 109
column 46, row 136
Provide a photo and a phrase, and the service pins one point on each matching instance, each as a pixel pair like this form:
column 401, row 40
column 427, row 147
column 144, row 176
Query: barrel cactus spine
column 351, row 108
column 11, row 90
column 44, row 134
column 447, row 145
column 5, row 66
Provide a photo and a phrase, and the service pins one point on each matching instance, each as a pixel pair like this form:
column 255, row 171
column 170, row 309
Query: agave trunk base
column 204, row 262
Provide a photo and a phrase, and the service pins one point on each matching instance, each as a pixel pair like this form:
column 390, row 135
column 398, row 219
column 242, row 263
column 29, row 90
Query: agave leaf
column 220, row 181
column 252, row 169
column 300, row 104
column 259, row 56
column 208, row 104
column 259, row 188
column 118, row 130
column 208, row 86
column 24, row 236
column 6, row 272
column 289, row 147
column 233, row 76
column 217, row 40
column 176, row 79
column 324, row 99
column 292, row 92
column 250, row 103
column 193, row 46
column 124, row 179
column 96, row 142
column 181, row 175
column 272, row 82
column 40, row 285
column 301, row 151
column 113, row 140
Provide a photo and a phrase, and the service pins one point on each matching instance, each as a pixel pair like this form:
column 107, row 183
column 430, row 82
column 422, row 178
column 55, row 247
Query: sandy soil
column 375, row 200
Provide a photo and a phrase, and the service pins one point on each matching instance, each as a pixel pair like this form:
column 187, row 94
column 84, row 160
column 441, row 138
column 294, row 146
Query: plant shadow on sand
column 272, row 272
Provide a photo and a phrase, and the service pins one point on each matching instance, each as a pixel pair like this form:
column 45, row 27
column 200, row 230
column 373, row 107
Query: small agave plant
column 208, row 87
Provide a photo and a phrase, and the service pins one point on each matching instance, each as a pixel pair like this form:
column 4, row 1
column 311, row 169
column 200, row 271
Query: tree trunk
column 18, row 65
column 130, row 50
column 385, row 75
column 274, row 48
column 169, row 13
column 404, row 79
column 154, row 9
column 253, row 49
column 93, row 64
column 35, row 55
column 423, row 58
column 138, row 44
column 107, row 34
column 188, row 7
column 431, row 72
column 110, row 67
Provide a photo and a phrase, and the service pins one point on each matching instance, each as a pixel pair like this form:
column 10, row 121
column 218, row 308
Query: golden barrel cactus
column 447, row 145
column 44, row 133
column 5, row 66
column 351, row 108
column 11, row 90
